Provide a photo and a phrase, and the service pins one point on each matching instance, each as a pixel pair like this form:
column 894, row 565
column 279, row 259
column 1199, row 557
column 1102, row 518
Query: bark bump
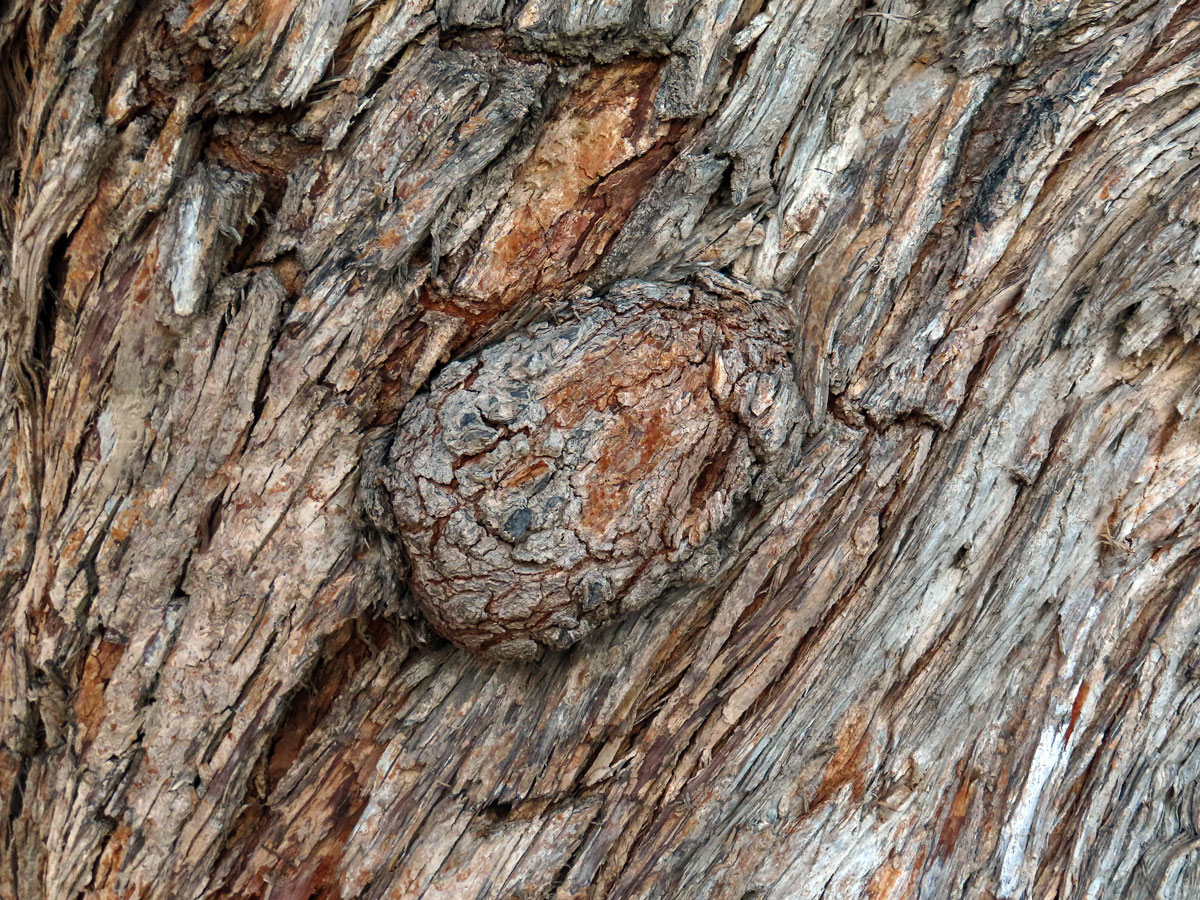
column 574, row 472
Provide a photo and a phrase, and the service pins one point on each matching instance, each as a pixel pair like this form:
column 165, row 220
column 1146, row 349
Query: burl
column 574, row 472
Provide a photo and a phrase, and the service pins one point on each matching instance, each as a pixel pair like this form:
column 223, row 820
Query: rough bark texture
column 573, row 473
column 950, row 650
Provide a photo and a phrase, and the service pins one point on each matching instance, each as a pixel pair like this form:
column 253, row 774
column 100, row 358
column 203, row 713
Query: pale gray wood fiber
column 948, row 649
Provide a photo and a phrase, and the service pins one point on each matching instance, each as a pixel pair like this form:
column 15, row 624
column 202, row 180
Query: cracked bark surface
column 943, row 645
column 573, row 473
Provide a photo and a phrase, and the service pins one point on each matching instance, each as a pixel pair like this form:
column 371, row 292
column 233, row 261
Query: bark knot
column 574, row 472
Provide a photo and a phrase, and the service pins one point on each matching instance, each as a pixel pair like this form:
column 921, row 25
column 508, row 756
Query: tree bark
column 939, row 639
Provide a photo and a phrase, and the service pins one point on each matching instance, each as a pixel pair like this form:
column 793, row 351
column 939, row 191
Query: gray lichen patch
column 575, row 472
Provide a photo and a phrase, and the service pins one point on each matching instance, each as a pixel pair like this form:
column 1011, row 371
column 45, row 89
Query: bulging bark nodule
column 575, row 472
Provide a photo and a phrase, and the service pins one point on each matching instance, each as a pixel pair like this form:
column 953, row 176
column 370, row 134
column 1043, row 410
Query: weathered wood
column 952, row 651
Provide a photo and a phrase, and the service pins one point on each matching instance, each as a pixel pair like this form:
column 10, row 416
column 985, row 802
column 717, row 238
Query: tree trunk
column 924, row 627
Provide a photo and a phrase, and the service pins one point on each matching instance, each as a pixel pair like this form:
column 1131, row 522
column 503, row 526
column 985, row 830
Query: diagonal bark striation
column 941, row 643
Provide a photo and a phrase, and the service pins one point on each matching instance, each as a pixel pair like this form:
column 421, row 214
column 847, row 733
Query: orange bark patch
column 572, row 195
column 569, row 404
column 257, row 149
column 526, row 474
column 952, row 827
column 642, row 435
column 89, row 701
column 110, row 864
column 93, row 241
column 914, row 875
column 199, row 8
column 1077, row 707
column 271, row 15
column 885, row 878
column 125, row 520
column 846, row 765
column 632, row 449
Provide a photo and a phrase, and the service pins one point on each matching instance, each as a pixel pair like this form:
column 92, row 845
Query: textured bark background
column 953, row 654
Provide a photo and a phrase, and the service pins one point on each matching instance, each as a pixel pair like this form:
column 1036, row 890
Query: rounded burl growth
column 576, row 471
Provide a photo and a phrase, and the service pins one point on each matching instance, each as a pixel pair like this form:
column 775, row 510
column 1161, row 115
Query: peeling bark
column 943, row 643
